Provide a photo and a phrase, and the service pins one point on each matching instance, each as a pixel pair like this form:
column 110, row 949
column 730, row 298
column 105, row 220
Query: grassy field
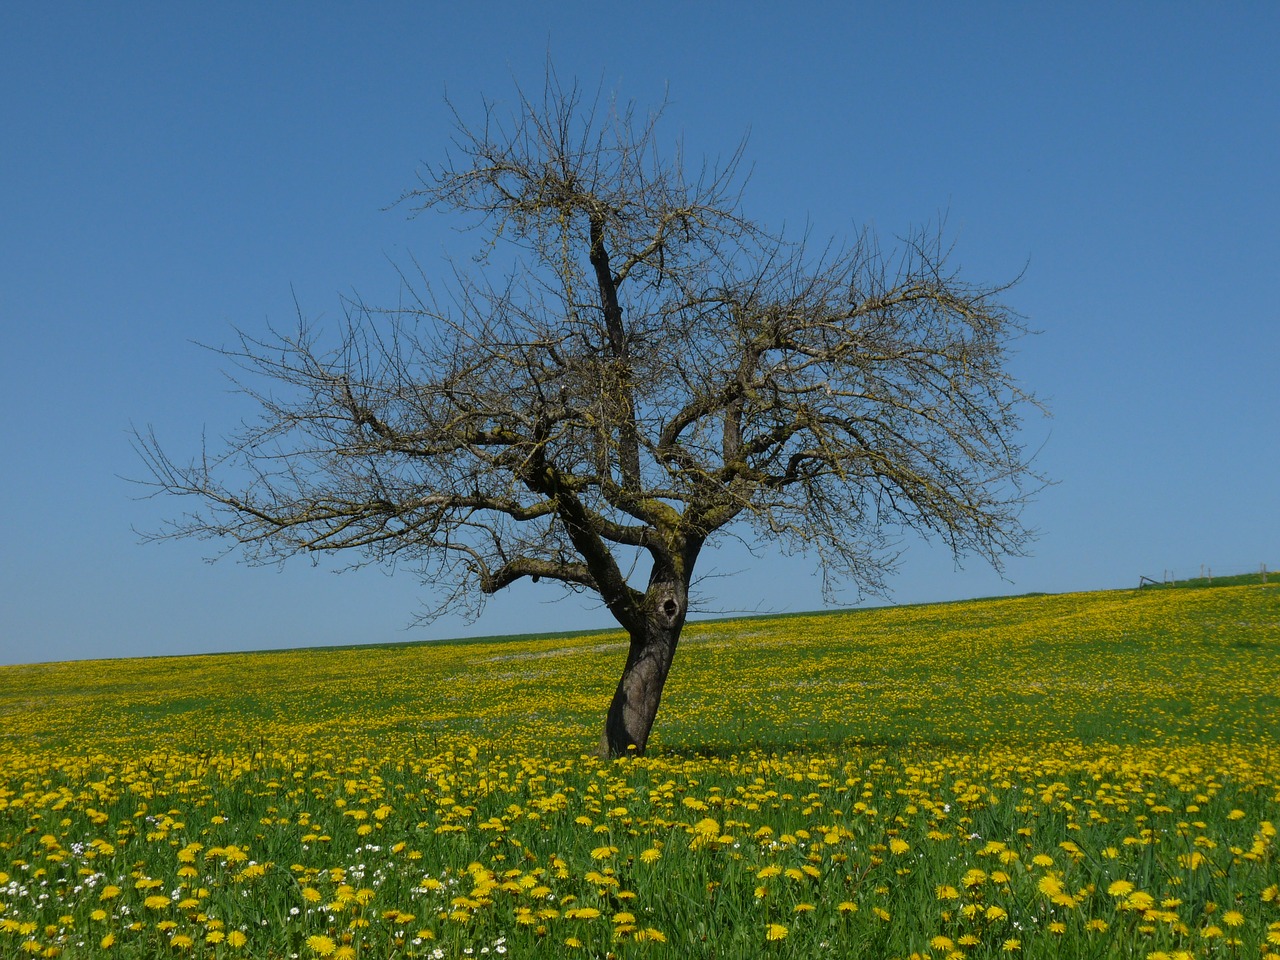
column 1087, row 775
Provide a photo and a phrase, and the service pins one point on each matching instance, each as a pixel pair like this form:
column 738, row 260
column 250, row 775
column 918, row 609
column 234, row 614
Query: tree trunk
column 653, row 647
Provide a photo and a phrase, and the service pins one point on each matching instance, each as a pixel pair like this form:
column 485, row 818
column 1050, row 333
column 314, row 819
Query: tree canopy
column 632, row 369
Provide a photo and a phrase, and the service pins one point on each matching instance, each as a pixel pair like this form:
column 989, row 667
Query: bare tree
column 653, row 371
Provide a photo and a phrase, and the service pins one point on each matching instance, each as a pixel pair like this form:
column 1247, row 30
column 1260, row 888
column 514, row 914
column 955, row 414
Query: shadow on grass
column 800, row 745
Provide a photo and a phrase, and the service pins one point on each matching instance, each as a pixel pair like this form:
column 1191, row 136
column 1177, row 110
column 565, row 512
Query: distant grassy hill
column 1235, row 580
column 1203, row 583
column 1185, row 663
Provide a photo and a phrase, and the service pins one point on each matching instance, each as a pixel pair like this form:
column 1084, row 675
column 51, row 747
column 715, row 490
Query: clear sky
column 169, row 170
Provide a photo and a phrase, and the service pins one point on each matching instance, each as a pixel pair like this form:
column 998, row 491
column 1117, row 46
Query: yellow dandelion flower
column 1049, row 885
column 107, row 942
column 775, row 931
column 236, row 939
column 1139, row 900
column 650, row 855
column 942, row 943
column 898, row 846
column 805, row 908
column 765, row 873
column 847, row 906
column 321, row 946
column 1233, row 918
column 1120, row 888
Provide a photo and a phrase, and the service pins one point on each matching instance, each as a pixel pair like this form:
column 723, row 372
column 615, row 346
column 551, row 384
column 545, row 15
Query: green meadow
column 1082, row 775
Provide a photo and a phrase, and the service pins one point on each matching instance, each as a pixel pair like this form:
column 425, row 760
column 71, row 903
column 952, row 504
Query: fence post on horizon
column 1264, row 573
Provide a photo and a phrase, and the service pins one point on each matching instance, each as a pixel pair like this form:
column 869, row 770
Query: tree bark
column 653, row 648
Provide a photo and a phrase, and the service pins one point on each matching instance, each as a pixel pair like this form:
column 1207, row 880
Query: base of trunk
column 635, row 702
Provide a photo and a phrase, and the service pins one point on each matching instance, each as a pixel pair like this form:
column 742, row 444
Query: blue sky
column 170, row 170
